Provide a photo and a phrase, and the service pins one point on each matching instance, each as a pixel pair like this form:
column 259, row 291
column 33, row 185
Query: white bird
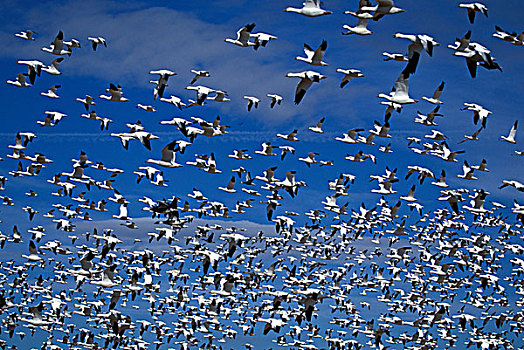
column 307, row 79
column 230, row 188
column 435, row 99
column 202, row 93
column 220, row 96
column 275, row 99
column 511, row 38
column 400, row 93
column 359, row 29
column 384, row 7
column 418, row 42
column 311, row 8
column 243, row 36
column 429, row 118
column 252, row 101
column 161, row 83
column 348, row 75
column 115, row 94
column 53, row 67
column 350, row 137
column 441, row 181
column 174, row 100
column 51, row 93
column 34, row 67
column 261, row 39
column 512, row 133
column 394, row 57
column 21, row 80
column 57, row 46
column 199, row 74
column 479, row 113
column 314, row 57
column 468, row 172
column 146, row 108
column 168, row 156
column 26, row 35
column 318, row 126
column 473, row 8
column 292, row 136
column 475, row 55
column 87, row 101
column 310, row 159
column 95, row 41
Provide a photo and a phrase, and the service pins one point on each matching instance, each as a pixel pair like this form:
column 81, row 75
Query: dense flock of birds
column 330, row 277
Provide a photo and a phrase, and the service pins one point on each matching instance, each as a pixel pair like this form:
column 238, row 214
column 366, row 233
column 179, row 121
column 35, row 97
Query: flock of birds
column 376, row 276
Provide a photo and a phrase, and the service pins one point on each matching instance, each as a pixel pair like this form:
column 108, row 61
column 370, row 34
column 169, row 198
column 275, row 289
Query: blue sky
column 143, row 36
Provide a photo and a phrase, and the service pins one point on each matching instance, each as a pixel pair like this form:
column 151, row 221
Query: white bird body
column 26, row 35
column 95, row 41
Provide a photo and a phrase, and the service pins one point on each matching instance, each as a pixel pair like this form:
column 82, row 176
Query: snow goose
column 242, row 39
column 57, row 46
column 483, row 166
column 115, row 94
column 275, row 99
column 475, row 55
column 380, row 130
column 394, row 57
column 310, row 159
column 462, row 43
column 51, row 93
column 292, row 136
column 350, row 137
column 198, row 74
column 161, row 83
column 252, row 101
column 220, row 96
column 473, row 8
column 307, row 79
column 428, row 120
column 473, row 137
column 435, row 99
column 400, row 94
column 87, row 101
column 34, row 67
column 174, row 100
column 418, row 42
column 95, row 41
column 21, row 80
column 511, row 38
column 442, row 180
column 512, row 133
column 146, row 108
column 479, row 113
column 311, row 8
column 359, row 29
column 53, row 67
column 467, row 172
column 168, row 157
column 348, row 75
column 519, row 186
column 318, row 126
column 202, row 93
column 230, row 188
column 384, row 7
column 314, row 57
column 26, row 35
column 261, row 39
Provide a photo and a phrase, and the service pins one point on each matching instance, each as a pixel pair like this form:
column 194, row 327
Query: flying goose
column 51, row 93
column 473, row 8
column 95, row 41
column 512, row 133
column 275, row 99
column 400, row 91
column 435, row 99
column 348, row 75
column 307, row 79
column 161, row 83
column 314, row 57
column 252, row 101
column 261, row 39
column 26, row 35
column 359, row 29
column 311, row 8
column 242, row 39
column 168, row 157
